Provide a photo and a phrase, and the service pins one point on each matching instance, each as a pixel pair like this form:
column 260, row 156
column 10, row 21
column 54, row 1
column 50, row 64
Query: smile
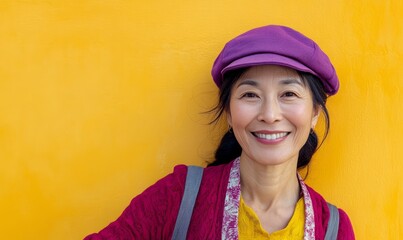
column 272, row 136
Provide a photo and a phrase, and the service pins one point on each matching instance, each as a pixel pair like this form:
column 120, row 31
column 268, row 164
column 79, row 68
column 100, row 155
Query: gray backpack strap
column 333, row 224
column 192, row 185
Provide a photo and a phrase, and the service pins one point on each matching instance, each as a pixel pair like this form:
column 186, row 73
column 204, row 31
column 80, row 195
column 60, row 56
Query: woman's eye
column 249, row 95
column 289, row 94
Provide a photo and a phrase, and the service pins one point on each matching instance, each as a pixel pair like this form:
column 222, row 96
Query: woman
column 273, row 84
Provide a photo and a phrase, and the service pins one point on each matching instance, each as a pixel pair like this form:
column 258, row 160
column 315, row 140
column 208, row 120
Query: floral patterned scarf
column 231, row 206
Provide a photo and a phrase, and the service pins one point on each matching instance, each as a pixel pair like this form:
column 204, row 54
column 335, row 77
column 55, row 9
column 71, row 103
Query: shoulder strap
column 192, row 185
column 333, row 224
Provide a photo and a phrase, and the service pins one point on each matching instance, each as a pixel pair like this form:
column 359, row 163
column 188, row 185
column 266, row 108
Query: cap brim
column 266, row 59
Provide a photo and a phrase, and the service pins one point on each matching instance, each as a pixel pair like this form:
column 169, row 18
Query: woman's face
column 271, row 112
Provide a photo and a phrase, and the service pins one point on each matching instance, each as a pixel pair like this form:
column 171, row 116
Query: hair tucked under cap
column 276, row 45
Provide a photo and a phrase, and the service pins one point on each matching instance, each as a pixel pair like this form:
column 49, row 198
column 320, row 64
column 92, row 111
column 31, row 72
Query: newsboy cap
column 276, row 45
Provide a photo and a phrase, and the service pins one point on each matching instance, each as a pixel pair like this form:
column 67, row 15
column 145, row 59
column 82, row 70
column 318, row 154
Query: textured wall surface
column 99, row 99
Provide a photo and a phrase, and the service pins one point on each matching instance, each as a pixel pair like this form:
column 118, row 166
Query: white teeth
column 271, row 136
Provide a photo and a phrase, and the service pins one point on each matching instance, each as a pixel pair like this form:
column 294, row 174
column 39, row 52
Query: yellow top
column 249, row 226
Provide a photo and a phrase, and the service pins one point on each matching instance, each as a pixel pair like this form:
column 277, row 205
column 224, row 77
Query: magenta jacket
column 152, row 214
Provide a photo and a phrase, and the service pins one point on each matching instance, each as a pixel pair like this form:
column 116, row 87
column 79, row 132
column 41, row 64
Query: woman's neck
column 269, row 187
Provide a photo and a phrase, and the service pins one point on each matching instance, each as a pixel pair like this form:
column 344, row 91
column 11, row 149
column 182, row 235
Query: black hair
column 229, row 148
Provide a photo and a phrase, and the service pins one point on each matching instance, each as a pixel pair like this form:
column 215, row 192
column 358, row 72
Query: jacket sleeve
column 345, row 228
column 150, row 215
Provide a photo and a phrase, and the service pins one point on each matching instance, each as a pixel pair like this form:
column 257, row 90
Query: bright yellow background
column 99, row 99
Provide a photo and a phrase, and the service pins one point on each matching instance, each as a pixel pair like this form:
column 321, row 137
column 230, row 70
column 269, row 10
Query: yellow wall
column 99, row 99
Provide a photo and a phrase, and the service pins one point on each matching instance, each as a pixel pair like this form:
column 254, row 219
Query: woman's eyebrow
column 291, row 81
column 248, row 82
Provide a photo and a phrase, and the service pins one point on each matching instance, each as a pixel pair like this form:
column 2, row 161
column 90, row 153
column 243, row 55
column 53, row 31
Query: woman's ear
column 315, row 117
column 229, row 118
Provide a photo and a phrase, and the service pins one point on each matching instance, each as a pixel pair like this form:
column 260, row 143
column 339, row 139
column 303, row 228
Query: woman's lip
column 270, row 131
column 270, row 136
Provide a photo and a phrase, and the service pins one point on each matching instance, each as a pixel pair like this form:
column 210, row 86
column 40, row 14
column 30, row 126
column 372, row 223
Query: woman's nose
column 270, row 111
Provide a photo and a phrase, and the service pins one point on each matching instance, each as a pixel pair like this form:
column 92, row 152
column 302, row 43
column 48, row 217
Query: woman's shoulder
column 345, row 226
column 154, row 208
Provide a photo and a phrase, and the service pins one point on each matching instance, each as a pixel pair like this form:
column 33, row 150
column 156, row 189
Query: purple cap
column 276, row 45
